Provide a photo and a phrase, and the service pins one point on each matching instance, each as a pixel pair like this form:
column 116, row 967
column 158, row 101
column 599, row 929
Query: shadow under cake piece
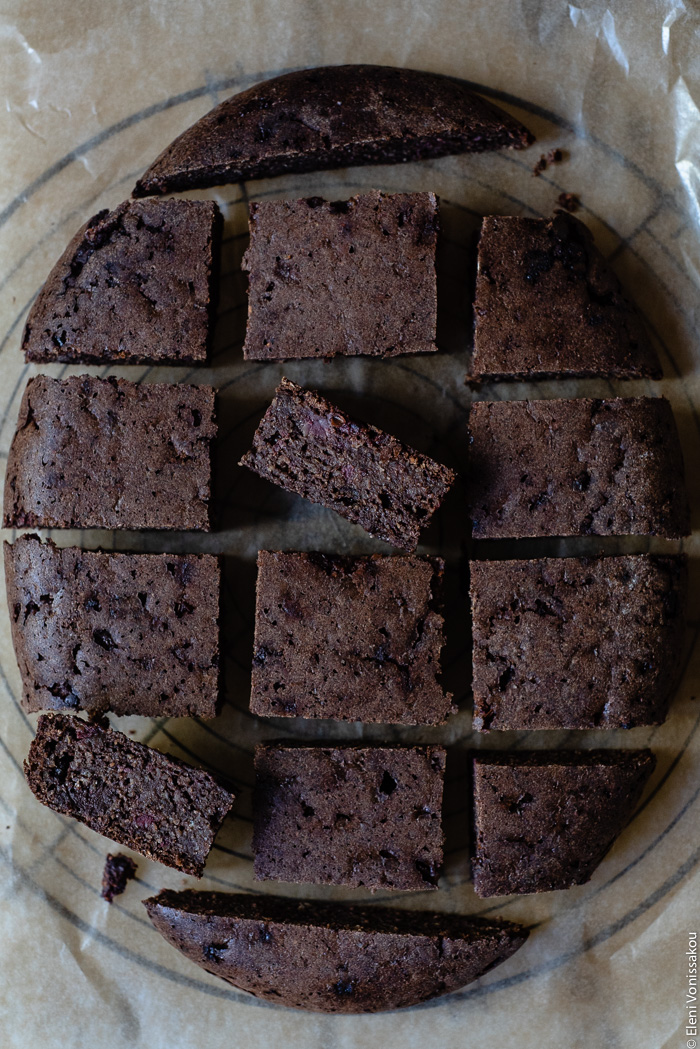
column 134, row 286
column 349, row 815
column 330, row 117
column 150, row 802
column 576, row 467
column 576, row 643
column 331, row 957
column 308, row 446
column 547, row 304
column 350, row 638
column 108, row 453
column 343, row 277
column 128, row 633
column 544, row 820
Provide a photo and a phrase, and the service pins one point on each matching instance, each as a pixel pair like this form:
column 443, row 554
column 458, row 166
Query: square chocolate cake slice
column 350, row 638
column 348, row 814
column 342, row 277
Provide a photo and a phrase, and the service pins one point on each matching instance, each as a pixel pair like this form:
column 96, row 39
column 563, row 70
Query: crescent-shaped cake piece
column 330, row 117
column 329, row 957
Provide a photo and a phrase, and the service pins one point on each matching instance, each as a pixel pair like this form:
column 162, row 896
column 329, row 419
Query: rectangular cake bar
column 108, row 453
column 127, row 633
column 308, row 446
column 576, row 467
column 138, row 797
column 576, row 643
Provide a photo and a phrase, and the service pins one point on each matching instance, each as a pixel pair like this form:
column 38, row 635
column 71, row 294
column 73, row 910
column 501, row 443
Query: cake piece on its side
column 545, row 819
column 547, row 304
column 108, row 453
column 343, row 277
column 138, row 797
column 330, row 117
column 576, row 643
column 349, row 815
column 576, row 467
column 330, row 957
column 308, row 446
column 134, row 286
column 350, row 638
column 130, row 633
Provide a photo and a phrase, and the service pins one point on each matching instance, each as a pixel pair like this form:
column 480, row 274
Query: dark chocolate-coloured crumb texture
column 576, row 467
column 150, row 802
column 108, row 453
column 544, row 820
column 329, row 117
column 350, row 638
column 119, row 869
column 134, row 286
column 343, row 277
column 547, row 304
column 349, row 815
column 128, row 633
column 308, row 446
column 329, row 957
column 576, row 643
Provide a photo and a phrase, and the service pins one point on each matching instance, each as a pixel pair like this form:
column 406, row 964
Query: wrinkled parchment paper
column 90, row 93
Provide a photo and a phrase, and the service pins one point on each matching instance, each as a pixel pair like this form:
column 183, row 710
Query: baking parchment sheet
column 90, row 93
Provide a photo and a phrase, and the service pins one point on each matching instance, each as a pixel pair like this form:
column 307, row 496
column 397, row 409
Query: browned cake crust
column 576, row 467
column 329, row 957
column 150, row 802
column 343, row 277
column 308, row 446
column 547, row 304
column 128, row 633
column 134, row 286
column 544, row 820
column 330, row 117
column 349, row 815
column 350, row 638
column 576, row 643
column 107, row 453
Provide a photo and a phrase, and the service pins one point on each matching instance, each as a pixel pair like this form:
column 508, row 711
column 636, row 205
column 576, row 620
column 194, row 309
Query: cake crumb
column 119, row 869
column 555, row 156
column 568, row 201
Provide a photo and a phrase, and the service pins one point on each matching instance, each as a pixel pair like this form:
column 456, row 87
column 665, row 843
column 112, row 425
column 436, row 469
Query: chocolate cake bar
column 576, row 643
column 128, row 633
column 330, row 117
column 548, row 305
column 108, row 453
column 544, row 820
column 576, row 467
column 349, row 815
column 138, row 797
column 343, row 277
column 134, row 286
column 329, row 957
column 308, row 446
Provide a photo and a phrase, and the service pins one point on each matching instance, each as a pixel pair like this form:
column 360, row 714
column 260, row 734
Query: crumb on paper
column 119, row 869
column 555, row 156
column 568, row 201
